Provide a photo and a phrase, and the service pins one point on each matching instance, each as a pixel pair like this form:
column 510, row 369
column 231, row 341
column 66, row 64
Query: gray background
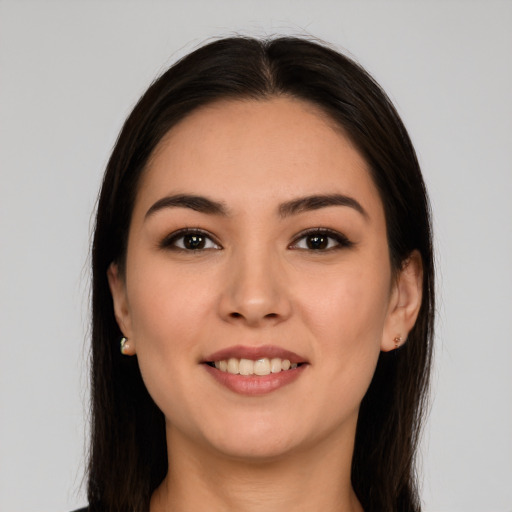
column 69, row 73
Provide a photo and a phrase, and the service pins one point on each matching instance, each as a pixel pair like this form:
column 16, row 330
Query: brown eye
column 316, row 242
column 194, row 242
column 189, row 240
column 321, row 240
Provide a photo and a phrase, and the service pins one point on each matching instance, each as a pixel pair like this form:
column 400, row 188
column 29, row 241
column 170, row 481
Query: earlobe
column 121, row 309
column 405, row 303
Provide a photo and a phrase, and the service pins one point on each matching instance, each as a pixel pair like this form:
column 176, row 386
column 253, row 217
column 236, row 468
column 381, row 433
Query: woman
column 262, row 291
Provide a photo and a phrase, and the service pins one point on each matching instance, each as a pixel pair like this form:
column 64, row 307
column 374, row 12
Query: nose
column 255, row 292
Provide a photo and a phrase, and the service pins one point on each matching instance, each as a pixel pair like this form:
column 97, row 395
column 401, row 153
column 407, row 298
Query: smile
column 255, row 370
column 248, row 367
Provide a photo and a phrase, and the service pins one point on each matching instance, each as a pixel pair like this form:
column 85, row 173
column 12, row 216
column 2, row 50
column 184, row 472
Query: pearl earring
column 124, row 345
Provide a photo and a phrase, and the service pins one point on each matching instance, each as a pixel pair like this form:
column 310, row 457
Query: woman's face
column 258, row 235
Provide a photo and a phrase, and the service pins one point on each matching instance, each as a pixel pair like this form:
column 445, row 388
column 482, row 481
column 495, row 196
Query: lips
column 255, row 370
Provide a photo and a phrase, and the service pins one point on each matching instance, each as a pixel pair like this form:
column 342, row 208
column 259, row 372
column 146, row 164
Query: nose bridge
column 255, row 291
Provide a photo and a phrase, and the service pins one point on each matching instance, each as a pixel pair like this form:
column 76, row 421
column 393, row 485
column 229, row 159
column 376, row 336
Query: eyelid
column 169, row 242
column 341, row 240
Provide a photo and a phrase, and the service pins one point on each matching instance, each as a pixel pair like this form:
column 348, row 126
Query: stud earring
column 124, row 345
column 397, row 340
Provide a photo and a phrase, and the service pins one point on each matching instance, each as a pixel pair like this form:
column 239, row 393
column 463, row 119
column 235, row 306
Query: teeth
column 275, row 365
column 262, row 366
column 247, row 367
column 233, row 366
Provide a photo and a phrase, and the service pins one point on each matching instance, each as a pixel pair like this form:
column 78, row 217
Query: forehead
column 257, row 150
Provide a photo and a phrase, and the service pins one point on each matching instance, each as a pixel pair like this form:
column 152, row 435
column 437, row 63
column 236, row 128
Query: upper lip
column 255, row 353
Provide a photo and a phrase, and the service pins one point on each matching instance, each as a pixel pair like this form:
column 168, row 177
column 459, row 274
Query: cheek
column 168, row 311
column 346, row 307
column 346, row 315
column 167, row 307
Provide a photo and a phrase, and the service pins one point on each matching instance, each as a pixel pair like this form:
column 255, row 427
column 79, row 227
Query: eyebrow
column 198, row 203
column 303, row 204
column 308, row 203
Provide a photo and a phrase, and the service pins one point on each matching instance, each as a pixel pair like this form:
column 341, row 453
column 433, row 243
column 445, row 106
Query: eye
column 320, row 240
column 190, row 240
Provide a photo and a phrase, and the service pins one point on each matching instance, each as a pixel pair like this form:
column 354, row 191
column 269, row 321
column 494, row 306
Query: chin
column 255, row 441
column 255, row 450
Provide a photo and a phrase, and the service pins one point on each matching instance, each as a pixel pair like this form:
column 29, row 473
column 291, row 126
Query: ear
column 404, row 304
column 117, row 286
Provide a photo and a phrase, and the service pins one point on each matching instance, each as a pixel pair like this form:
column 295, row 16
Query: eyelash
column 340, row 240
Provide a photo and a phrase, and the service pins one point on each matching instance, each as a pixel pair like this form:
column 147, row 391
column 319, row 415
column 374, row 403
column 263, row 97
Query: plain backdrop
column 70, row 71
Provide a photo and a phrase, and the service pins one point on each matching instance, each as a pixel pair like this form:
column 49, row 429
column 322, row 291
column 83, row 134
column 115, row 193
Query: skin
column 258, row 283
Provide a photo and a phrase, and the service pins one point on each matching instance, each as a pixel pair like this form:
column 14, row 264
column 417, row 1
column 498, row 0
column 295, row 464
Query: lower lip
column 253, row 385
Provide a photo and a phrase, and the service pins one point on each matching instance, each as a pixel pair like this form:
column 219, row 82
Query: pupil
column 194, row 242
column 317, row 242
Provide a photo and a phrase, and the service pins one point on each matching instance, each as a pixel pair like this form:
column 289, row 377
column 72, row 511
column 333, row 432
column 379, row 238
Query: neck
column 307, row 480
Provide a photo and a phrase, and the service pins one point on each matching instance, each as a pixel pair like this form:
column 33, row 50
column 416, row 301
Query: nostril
column 239, row 315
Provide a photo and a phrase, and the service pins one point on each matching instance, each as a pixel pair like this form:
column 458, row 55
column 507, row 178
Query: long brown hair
column 128, row 455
